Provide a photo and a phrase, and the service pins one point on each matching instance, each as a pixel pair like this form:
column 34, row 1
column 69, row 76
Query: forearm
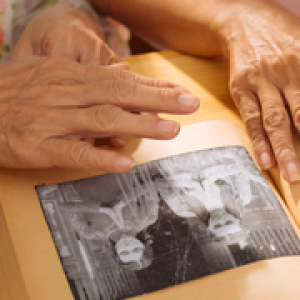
column 190, row 26
column 172, row 23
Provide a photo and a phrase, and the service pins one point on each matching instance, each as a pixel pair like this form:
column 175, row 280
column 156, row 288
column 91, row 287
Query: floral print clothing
column 16, row 14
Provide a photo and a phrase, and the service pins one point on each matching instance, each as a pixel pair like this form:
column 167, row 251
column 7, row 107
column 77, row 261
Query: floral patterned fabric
column 16, row 14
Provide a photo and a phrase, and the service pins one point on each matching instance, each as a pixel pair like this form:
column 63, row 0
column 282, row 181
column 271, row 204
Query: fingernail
column 120, row 141
column 169, row 127
column 181, row 88
column 124, row 162
column 293, row 172
column 189, row 101
column 266, row 160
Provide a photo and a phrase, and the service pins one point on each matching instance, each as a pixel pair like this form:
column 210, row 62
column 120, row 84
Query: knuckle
column 161, row 82
column 246, row 102
column 76, row 153
column 259, row 142
column 123, row 75
column 103, row 161
column 272, row 64
column 167, row 94
column 121, row 90
column 243, row 77
column 275, row 118
column 283, row 152
column 253, row 77
column 152, row 81
column 143, row 80
column 106, row 118
column 252, row 120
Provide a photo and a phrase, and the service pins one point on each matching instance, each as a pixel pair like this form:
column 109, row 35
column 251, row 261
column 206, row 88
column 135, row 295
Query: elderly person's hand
column 65, row 32
column 46, row 102
column 262, row 41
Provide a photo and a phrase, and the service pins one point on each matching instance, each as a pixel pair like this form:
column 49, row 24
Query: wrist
column 234, row 15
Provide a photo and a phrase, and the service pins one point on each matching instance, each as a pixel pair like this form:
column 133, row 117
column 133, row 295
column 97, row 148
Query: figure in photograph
column 217, row 196
column 122, row 226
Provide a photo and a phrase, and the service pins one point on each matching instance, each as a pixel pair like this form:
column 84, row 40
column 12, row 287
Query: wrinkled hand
column 46, row 102
column 64, row 31
column 263, row 43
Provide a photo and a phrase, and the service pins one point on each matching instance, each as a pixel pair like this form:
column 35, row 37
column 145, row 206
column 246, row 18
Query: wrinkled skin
column 63, row 31
column 45, row 101
column 56, row 97
column 264, row 52
column 262, row 41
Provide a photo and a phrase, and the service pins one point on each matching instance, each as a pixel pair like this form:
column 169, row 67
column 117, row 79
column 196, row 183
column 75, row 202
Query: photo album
column 195, row 216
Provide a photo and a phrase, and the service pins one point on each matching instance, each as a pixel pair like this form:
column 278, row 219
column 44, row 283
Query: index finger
column 96, row 73
column 69, row 70
column 278, row 128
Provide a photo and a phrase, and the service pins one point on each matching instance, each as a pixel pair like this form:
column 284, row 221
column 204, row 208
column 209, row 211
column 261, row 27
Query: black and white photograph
column 164, row 223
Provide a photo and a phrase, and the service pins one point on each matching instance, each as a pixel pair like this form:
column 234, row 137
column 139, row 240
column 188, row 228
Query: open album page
column 195, row 207
column 11, row 282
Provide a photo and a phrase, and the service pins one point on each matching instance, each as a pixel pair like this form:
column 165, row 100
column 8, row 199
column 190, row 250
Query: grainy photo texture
column 164, row 223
